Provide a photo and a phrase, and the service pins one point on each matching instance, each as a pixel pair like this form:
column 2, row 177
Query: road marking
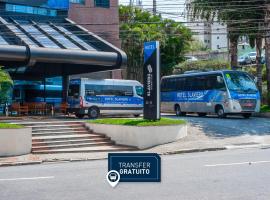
column 240, row 163
column 30, row 178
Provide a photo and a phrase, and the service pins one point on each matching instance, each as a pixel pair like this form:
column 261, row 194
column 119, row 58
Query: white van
column 106, row 96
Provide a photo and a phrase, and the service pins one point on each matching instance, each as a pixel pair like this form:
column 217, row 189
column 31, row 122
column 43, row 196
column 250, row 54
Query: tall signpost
column 151, row 79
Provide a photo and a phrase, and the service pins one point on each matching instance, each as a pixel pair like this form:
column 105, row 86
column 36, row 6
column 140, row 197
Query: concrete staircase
column 69, row 137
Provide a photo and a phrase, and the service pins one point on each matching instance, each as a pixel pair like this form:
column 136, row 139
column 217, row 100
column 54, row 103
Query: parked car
column 244, row 60
column 191, row 58
column 252, row 56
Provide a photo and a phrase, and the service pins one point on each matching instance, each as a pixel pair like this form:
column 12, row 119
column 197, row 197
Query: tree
column 138, row 26
column 242, row 18
column 5, row 86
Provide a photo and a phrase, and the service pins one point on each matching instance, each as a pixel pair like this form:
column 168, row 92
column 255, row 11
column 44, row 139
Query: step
column 57, row 129
column 66, row 137
column 72, row 141
column 48, row 122
column 60, row 133
column 87, row 149
column 67, row 146
column 54, row 126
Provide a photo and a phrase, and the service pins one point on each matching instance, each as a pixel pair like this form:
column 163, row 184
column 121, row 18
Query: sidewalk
column 196, row 141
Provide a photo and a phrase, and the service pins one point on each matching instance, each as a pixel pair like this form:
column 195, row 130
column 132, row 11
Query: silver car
column 244, row 60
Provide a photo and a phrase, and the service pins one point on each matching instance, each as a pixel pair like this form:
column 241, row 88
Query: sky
column 173, row 9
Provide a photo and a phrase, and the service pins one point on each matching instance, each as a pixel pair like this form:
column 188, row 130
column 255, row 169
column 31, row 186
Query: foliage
column 138, row 122
column 139, row 26
column 197, row 45
column 9, row 126
column 5, row 85
column 252, row 70
column 202, row 65
column 265, row 108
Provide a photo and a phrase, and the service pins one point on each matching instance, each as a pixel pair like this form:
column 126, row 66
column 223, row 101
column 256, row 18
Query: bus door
column 74, row 98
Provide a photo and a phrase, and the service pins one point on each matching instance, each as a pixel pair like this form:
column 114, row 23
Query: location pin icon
column 113, row 178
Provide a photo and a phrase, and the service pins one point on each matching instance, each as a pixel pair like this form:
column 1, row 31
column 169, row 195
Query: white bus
column 107, row 96
column 221, row 92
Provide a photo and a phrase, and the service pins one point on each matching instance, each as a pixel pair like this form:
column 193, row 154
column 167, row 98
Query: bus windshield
column 240, row 82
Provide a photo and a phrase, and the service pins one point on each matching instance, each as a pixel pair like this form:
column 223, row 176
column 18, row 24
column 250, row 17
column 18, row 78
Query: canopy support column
column 64, row 87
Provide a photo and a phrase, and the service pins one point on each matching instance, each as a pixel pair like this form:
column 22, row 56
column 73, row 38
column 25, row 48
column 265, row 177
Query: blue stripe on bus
column 203, row 96
column 114, row 100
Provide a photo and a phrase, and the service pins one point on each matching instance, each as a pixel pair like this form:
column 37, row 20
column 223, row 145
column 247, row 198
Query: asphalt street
column 232, row 174
column 230, row 126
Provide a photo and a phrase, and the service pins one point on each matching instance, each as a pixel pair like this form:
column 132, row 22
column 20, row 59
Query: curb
column 20, row 163
column 194, row 150
column 48, row 161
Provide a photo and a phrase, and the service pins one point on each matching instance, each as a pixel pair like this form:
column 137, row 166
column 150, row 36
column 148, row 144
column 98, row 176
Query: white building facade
column 212, row 35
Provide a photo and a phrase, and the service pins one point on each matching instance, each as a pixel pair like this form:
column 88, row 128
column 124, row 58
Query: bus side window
column 180, row 84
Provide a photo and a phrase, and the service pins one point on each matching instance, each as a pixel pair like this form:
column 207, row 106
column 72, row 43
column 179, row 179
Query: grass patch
column 265, row 108
column 9, row 126
column 138, row 122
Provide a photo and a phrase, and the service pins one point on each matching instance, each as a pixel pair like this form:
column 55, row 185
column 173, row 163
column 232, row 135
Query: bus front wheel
column 220, row 112
column 178, row 111
column 93, row 113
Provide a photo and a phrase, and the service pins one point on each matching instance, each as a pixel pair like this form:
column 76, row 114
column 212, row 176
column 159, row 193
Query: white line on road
column 240, row 163
column 30, row 178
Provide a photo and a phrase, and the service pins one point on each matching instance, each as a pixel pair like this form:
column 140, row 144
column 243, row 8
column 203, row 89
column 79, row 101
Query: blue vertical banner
column 151, row 80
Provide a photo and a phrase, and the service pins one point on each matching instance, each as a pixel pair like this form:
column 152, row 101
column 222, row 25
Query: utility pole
column 155, row 7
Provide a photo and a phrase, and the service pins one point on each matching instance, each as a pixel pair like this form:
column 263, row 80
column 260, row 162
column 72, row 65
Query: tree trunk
column 259, row 63
column 233, row 51
column 267, row 50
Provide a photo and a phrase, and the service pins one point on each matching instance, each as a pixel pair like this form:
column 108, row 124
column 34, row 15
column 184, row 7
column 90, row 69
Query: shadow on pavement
column 229, row 127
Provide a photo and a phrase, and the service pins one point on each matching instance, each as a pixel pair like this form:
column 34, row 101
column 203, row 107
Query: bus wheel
column 136, row 115
column 178, row 111
column 93, row 113
column 80, row 116
column 201, row 114
column 220, row 112
column 247, row 115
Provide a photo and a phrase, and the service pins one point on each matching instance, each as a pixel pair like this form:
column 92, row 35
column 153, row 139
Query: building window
column 218, row 47
column 77, row 1
column 30, row 10
column 102, row 3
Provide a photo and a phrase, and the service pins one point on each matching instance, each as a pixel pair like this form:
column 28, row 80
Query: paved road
column 231, row 126
column 200, row 176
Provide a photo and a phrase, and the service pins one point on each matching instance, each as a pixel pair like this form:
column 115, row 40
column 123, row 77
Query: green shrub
column 137, row 122
column 9, row 126
column 265, row 108
column 201, row 65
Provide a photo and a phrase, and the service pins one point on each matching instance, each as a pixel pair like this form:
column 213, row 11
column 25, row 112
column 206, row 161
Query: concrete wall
column 14, row 142
column 141, row 137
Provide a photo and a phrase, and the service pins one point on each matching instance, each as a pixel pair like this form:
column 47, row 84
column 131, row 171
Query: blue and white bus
column 221, row 92
column 107, row 96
